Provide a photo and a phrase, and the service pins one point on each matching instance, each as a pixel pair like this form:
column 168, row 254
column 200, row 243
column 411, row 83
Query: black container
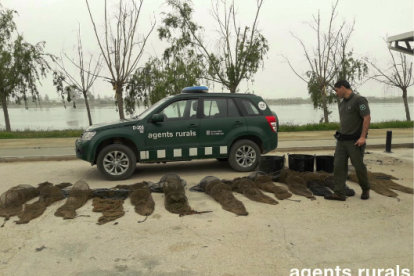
column 271, row 163
column 301, row 162
column 325, row 163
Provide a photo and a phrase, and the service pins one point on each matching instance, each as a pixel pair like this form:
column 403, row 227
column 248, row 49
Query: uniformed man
column 354, row 118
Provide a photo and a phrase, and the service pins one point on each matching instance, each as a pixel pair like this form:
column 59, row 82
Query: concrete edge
column 37, row 158
column 294, row 149
column 320, row 148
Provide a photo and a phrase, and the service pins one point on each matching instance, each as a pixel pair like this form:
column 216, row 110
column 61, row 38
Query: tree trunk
column 120, row 101
column 232, row 89
column 325, row 105
column 407, row 109
column 88, row 110
column 5, row 110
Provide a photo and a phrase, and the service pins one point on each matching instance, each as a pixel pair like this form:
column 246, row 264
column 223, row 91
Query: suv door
column 257, row 121
column 221, row 122
column 176, row 138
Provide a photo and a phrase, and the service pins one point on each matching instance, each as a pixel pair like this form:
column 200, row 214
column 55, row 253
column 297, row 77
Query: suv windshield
column 151, row 108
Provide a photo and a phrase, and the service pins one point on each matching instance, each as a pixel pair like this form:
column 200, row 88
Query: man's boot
column 365, row 194
column 335, row 197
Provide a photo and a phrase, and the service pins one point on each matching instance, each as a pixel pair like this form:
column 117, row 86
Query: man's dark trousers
column 347, row 149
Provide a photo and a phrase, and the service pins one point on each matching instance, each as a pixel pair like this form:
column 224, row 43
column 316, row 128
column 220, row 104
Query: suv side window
column 180, row 110
column 232, row 108
column 247, row 107
column 215, row 108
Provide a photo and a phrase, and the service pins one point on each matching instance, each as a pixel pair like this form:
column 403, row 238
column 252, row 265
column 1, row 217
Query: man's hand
column 365, row 126
column 360, row 142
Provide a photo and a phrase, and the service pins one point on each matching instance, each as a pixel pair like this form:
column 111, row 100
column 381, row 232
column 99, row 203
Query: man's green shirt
column 351, row 114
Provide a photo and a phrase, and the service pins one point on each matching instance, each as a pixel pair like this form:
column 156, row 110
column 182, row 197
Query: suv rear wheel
column 116, row 162
column 244, row 156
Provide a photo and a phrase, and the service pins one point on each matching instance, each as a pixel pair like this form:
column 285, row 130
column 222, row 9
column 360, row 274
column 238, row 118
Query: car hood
column 112, row 124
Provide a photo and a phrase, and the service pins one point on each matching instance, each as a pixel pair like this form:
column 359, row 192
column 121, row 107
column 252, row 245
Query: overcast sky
column 57, row 21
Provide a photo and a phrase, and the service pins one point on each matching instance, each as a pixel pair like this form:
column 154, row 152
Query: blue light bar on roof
column 195, row 89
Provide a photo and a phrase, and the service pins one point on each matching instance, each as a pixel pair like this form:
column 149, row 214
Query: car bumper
column 81, row 148
column 270, row 144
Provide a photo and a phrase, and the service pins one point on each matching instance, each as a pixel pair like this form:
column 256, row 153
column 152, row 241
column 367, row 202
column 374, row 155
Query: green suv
column 231, row 127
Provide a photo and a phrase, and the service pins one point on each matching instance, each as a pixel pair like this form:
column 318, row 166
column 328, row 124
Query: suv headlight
column 88, row 135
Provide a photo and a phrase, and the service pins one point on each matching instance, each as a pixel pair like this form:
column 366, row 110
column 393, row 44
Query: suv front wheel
column 116, row 162
column 244, row 156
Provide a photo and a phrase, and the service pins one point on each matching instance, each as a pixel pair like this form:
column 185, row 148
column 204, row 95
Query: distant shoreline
column 292, row 101
column 282, row 101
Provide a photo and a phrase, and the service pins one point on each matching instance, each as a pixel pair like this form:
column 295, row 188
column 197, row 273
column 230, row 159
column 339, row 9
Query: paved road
column 63, row 148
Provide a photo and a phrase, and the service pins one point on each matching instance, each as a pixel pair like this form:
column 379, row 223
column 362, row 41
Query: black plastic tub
column 325, row 163
column 271, row 163
column 301, row 162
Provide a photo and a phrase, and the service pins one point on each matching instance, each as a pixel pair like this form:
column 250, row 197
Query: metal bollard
column 388, row 141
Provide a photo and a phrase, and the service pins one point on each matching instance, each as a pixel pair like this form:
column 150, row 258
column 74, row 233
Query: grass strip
column 49, row 133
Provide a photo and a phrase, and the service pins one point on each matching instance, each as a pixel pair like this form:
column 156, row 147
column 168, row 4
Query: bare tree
column 324, row 60
column 398, row 74
column 77, row 85
column 239, row 51
column 119, row 43
column 354, row 70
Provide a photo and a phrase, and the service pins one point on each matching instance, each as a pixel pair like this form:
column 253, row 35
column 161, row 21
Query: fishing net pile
column 140, row 196
column 296, row 183
column 153, row 187
column 48, row 194
column 319, row 182
column 265, row 183
column 302, row 184
column 248, row 188
column 77, row 197
column 110, row 193
column 222, row 193
column 175, row 200
column 11, row 201
column 111, row 209
column 308, row 184
column 382, row 184
column 143, row 202
column 316, row 183
column 110, row 202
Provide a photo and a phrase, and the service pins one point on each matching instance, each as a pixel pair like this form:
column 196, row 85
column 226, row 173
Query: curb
column 294, row 149
column 37, row 158
column 320, row 148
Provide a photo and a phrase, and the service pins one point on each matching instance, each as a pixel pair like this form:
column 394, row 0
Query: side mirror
column 157, row 118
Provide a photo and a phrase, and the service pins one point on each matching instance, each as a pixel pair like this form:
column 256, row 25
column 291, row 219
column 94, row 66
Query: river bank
column 59, row 118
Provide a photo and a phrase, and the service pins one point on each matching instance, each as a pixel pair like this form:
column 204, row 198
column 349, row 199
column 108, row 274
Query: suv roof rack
column 195, row 89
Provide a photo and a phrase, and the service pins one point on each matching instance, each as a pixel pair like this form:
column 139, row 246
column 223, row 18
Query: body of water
column 71, row 118
column 305, row 113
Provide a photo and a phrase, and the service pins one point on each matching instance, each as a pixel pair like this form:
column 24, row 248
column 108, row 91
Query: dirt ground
column 271, row 240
